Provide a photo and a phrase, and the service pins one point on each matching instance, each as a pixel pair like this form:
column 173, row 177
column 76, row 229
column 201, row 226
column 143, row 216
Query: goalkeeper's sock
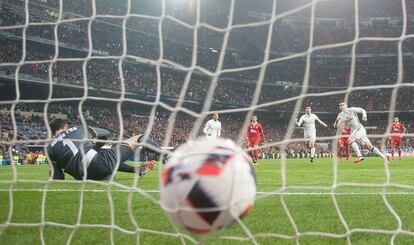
column 312, row 152
column 355, row 147
column 378, row 152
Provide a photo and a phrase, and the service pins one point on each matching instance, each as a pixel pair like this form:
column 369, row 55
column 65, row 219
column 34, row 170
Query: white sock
column 312, row 152
column 355, row 147
column 378, row 152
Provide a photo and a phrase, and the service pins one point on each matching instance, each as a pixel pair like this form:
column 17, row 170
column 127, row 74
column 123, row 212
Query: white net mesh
column 163, row 67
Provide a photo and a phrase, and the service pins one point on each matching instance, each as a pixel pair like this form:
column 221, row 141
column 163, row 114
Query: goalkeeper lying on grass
column 66, row 156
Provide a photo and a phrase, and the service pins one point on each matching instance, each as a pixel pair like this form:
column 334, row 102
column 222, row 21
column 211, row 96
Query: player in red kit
column 254, row 131
column 343, row 142
column 397, row 129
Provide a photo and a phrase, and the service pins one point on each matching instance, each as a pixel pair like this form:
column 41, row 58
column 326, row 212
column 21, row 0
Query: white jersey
column 308, row 122
column 350, row 117
column 212, row 128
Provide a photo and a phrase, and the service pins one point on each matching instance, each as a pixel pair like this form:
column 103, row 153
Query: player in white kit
column 308, row 121
column 212, row 129
column 349, row 117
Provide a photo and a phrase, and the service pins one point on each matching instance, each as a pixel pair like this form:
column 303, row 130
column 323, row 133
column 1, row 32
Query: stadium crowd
column 31, row 128
column 231, row 88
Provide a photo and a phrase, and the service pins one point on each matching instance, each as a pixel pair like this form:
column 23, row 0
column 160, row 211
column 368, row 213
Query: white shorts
column 360, row 135
column 309, row 135
column 211, row 136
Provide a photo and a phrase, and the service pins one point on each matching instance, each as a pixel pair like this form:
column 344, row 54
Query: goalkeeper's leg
column 104, row 164
column 124, row 152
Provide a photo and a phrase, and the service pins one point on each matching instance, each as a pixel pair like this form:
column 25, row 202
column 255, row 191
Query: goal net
column 162, row 68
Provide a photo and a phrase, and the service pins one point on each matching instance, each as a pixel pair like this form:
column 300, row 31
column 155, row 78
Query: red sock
column 340, row 153
column 399, row 153
column 392, row 153
column 256, row 154
column 251, row 154
column 347, row 153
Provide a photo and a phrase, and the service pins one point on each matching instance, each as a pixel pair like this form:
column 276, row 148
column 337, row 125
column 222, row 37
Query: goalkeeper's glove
column 154, row 149
column 98, row 134
column 154, row 146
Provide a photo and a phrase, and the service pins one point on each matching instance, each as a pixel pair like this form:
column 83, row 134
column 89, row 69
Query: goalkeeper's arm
column 99, row 133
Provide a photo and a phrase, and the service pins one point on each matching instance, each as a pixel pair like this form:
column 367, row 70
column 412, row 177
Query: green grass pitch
column 105, row 214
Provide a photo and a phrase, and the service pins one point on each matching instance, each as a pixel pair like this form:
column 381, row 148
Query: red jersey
column 345, row 130
column 397, row 128
column 254, row 131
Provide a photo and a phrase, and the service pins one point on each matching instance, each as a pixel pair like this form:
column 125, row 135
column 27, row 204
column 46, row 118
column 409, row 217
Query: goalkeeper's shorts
column 105, row 162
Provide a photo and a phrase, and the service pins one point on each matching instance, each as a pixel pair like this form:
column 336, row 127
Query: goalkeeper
column 65, row 153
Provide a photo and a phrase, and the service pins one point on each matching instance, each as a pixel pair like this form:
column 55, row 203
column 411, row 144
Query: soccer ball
column 207, row 184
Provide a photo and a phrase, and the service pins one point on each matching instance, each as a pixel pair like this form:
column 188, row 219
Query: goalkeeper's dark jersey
column 65, row 152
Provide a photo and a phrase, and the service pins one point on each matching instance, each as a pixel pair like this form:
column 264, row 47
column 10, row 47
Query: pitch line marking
column 259, row 192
